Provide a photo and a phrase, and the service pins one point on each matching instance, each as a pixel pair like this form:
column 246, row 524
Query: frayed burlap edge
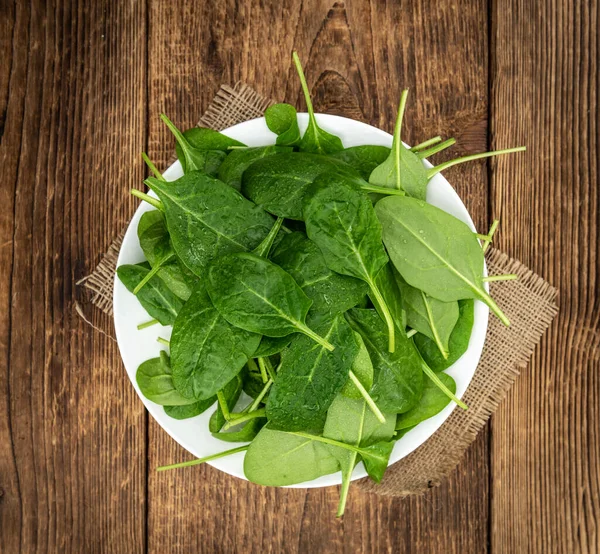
column 530, row 304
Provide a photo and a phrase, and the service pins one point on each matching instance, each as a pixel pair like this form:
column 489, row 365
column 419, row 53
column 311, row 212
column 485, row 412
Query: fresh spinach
column 203, row 138
column 341, row 221
column 330, row 292
column 458, row 343
column 282, row 119
column 190, row 410
column 206, row 219
column 257, row 295
column 392, row 297
column 362, row 367
column 310, row 377
column 231, row 394
column 246, row 433
column 238, row 161
column 432, row 402
column 156, row 298
column 272, row 345
column 450, row 258
column 155, row 380
column 351, row 422
column 315, row 139
column 276, row 459
column 429, row 316
column 398, row 376
column 206, row 351
column 264, row 248
column 363, row 158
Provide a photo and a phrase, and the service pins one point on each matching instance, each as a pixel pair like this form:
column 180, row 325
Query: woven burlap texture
column 530, row 304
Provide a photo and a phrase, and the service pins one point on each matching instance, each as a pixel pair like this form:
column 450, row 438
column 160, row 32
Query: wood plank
column 546, row 444
column 357, row 60
column 72, row 466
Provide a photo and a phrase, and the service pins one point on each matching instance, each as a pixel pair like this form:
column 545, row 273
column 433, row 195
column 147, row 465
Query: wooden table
column 81, row 87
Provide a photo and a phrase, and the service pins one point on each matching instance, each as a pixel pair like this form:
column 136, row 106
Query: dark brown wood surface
column 81, row 87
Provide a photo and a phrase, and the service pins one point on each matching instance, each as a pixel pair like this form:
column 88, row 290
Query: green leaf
column 315, row 139
column 392, row 297
column 432, row 402
column 203, row 138
column 350, row 421
column 450, row 258
column 238, row 161
column 278, row 183
column 363, row 158
column 178, row 278
column 272, row 345
column 264, row 248
column 231, row 393
column 403, row 169
column 310, row 377
column 282, row 119
column 429, row 316
column 257, row 295
column 276, row 459
column 246, row 433
column 458, row 343
column 206, row 351
column 398, row 378
column 156, row 298
column 190, row 410
column 330, row 292
column 207, row 219
column 376, row 459
column 154, row 378
column 341, row 221
column 362, row 368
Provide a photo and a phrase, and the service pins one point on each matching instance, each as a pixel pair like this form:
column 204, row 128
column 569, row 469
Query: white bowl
column 138, row 346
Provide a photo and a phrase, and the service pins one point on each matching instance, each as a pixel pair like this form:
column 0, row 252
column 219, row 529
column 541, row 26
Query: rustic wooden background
column 81, row 86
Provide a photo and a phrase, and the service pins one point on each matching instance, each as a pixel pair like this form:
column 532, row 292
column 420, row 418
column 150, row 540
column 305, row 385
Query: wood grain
column 546, row 443
column 72, row 462
column 355, row 72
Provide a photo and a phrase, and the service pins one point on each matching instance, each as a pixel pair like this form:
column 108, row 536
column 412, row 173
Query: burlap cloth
column 529, row 303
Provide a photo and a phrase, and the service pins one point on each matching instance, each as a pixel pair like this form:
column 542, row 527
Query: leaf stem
column 384, row 311
column 370, row 402
column 261, row 395
column 382, row 190
column 438, row 383
column 441, row 167
column 164, row 342
column 223, row 405
column 264, row 248
column 435, row 149
column 147, row 324
column 183, row 142
column 411, row 333
column 485, row 297
column 432, row 325
column 325, row 440
column 263, row 369
column 488, row 240
column 147, row 198
column 426, row 143
column 152, row 167
column 236, row 419
column 346, row 481
column 504, row 277
column 205, row 459
column 397, row 143
column 310, row 333
column 304, row 85
column 147, row 278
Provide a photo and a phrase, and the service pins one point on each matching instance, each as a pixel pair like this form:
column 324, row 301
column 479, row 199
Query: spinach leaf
column 362, row 368
column 191, row 157
column 206, row 219
column 257, row 295
column 432, row 402
column 458, row 343
column 279, row 182
column 154, row 378
column 252, row 380
column 156, row 298
column 231, row 393
column 272, row 345
column 264, row 248
column 341, row 221
column 246, row 433
column 276, row 458
column 206, row 351
column 432, row 317
column 315, row 139
column 363, row 158
column 392, row 296
column 310, row 377
column 190, row 410
column 178, row 278
column 398, row 376
column 403, row 169
column 203, row 138
column 330, row 292
column 450, row 258
column 352, row 422
column 283, row 121
column 238, row 161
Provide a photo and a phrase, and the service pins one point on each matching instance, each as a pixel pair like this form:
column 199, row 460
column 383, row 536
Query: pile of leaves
column 315, row 297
